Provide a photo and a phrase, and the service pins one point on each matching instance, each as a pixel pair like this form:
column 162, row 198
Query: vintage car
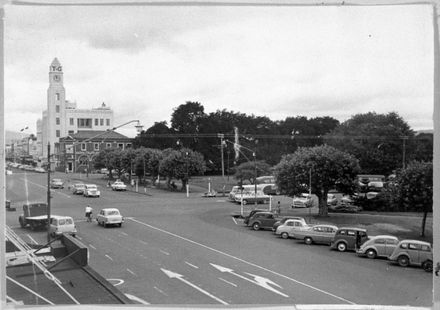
column 349, row 238
column 282, row 221
column 61, row 224
column 413, row 252
column 250, row 197
column 321, row 233
column 109, row 216
column 290, row 227
column 304, row 200
column 56, row 183
column 262, row 220
column 119, row 186
column 78, row 188
column 91, row 190
column 378, row 246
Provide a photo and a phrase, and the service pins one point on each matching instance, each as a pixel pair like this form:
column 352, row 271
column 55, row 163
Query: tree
column 246, row 170
column 377, row 141
column 181, row 164
column 108, row 158
column 327, row 166
column 147, row 162
column 413, row 189
column 158, row 136
column 186, row 119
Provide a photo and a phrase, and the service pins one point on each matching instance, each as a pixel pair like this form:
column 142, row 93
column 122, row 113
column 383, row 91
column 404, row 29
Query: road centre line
column 244, row 261
column 108, row 257
column 234, row 220
column 90, row 245
column 160, row 291
column 125, row 234
column 194, row 266
column 131, row 272
column 166, row 253
column 142, row 241
column 230, row 283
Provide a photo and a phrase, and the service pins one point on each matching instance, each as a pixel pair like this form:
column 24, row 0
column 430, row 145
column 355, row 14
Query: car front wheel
column 403, row 261
column 427, row 266
column 284, row 235
column 342, row 247
column 371, row 253
column 308, row 240
column 256, row 226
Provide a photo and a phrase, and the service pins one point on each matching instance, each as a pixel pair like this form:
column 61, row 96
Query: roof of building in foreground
column 96, row 135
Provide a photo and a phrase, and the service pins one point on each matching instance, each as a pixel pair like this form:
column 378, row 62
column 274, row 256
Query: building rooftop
column 100, row 135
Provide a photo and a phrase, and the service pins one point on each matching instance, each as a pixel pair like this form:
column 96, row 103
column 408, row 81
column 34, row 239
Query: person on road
column 278, row 208
column 89, row 212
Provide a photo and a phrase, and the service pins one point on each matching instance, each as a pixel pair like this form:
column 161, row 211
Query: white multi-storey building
column 62, row 118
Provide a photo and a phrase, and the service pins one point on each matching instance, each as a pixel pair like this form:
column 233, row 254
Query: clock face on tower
column 56, row 77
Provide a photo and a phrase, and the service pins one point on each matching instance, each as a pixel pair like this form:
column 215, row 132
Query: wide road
column 178, row 250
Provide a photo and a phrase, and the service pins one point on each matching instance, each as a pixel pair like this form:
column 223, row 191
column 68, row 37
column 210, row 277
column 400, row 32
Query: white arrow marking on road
column 260, row 281
column 134, row 298
column 177, row 276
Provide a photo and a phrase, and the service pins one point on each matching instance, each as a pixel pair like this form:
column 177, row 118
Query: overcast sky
column 268, row 61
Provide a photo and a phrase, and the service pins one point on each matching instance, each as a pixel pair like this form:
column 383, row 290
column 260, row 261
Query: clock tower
column 55, row 125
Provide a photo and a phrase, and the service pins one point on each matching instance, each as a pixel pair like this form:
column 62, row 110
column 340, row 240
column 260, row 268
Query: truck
column 34, row 215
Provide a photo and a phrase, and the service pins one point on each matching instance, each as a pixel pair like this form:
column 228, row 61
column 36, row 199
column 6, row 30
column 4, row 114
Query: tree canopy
column 324, row 167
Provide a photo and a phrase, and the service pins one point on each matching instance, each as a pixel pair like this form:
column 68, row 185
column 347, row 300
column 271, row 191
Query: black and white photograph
column 219, row 154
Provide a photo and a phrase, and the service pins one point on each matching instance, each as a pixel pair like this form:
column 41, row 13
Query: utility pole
column 48, row 192
column 222, row 143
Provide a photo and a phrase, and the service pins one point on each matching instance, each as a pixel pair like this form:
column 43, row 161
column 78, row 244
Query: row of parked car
column 404, row 252
column 25, row 167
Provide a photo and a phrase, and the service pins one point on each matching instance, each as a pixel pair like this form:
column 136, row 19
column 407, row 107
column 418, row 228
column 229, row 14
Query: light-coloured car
column 56, row 183
column 290, row 227
column 8, row 172
column 303, row 200
column 119, row 186
column 332, row 200
column 252, row 197
column 78, row 188
column 40, row 170
column 62, row 224
column 109, row 216
column 413, row 252
column 282, row 221
column 91, row 190
column 321, row 233
column 378, row 246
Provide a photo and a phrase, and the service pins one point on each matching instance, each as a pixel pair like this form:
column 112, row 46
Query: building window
column 57, row 108
column 108, row 145
column 108, row 121
column 121, row 145
column 57, row 96
column 96, row 146
column 84, row 123
column 83, row 146
column 71, row 121
column 70, row 132
column 96, row 122
column 57, row 120
column 101, row 121
column 57, row 133
column 128, row 145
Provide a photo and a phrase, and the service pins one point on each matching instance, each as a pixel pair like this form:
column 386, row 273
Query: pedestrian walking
column 89, row 212
column 279, row 208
